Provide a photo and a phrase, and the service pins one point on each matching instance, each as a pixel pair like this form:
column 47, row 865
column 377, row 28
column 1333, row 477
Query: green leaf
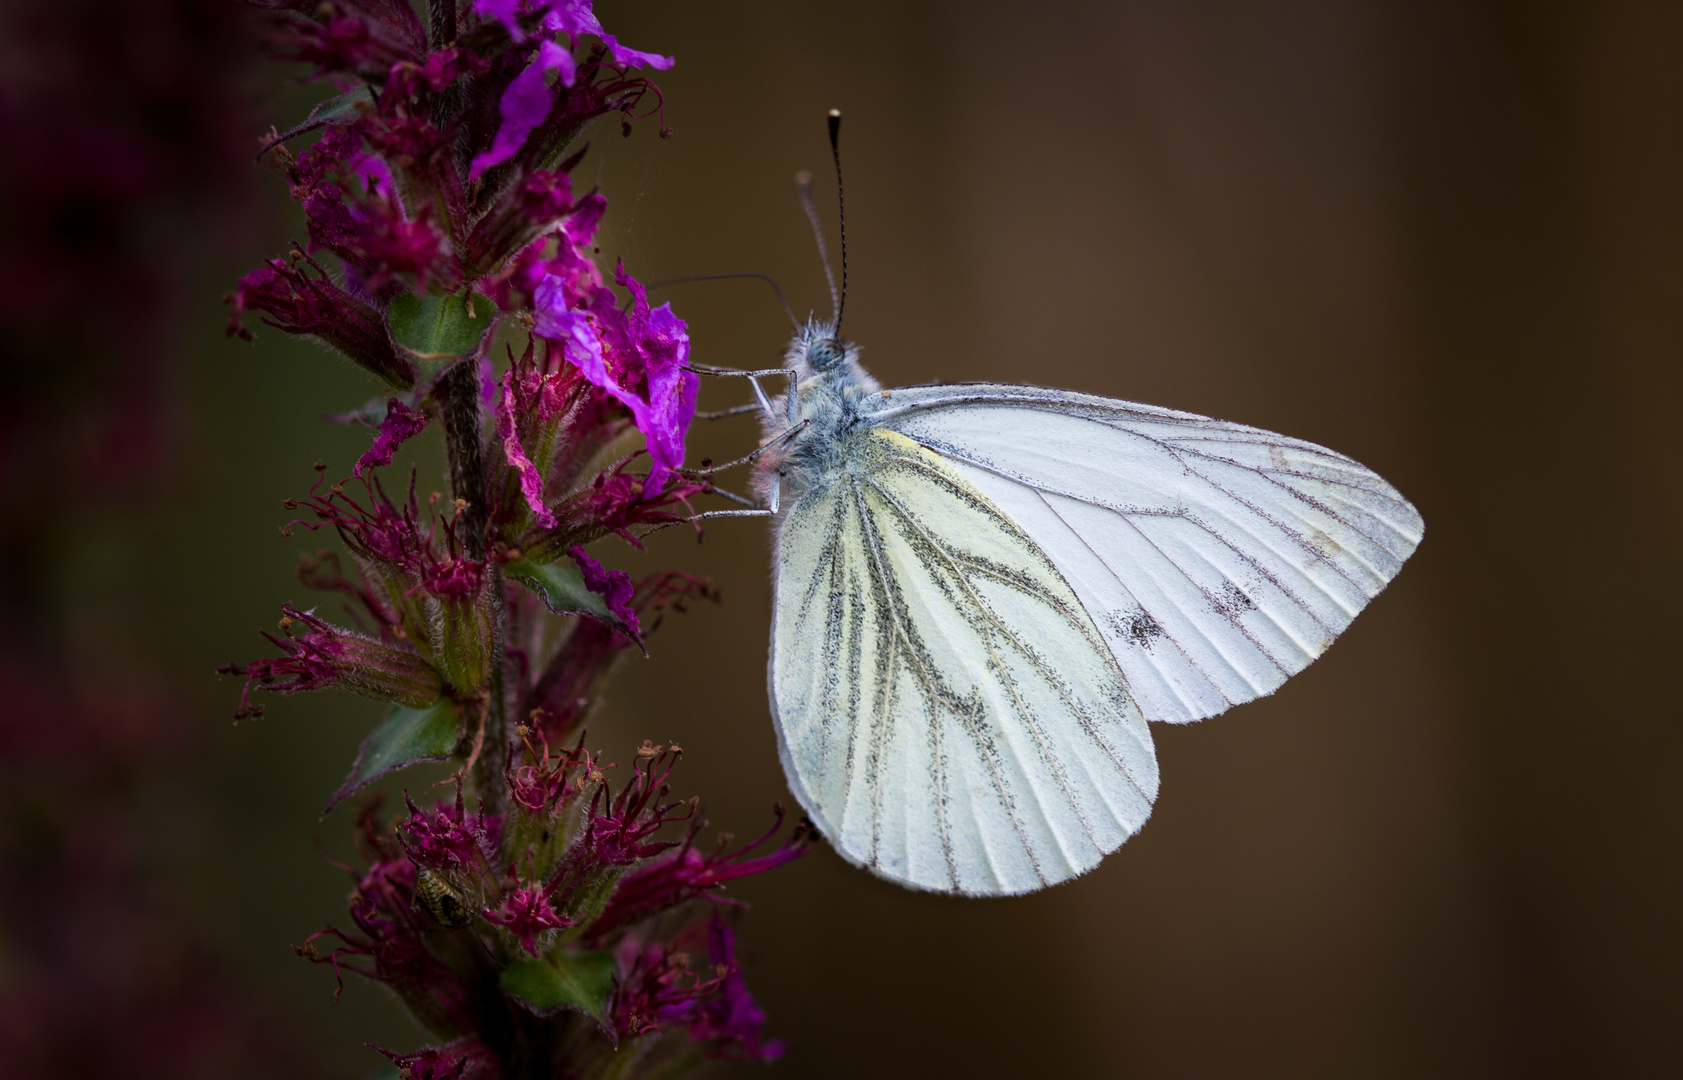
column 438, row 330
column 563, row 980
column 371, row 414
column 346, row 108
column 560, row 586
column 343, row 109
column 407, row 736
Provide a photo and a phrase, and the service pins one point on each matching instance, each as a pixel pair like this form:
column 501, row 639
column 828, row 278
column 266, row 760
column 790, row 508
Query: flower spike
column 555, row 912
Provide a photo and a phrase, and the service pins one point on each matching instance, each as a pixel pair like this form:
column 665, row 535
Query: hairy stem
column 487, row 778
column 441, row 32
column 464, row 438
column 441, row 23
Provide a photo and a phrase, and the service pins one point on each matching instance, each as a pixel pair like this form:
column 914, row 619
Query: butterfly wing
column 947, row 710
column 1216, row 559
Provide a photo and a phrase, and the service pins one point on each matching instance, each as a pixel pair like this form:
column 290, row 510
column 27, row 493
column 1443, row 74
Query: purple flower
column 685, row 874
column 614, row 586
column 656, row 984
column 400, row 425
column 554, row 321
column 392, row 245
column 541, row 787
column 508, row 430
column 389, row 541
column 574, row 262
column 408, row 80
column 662, row 342
column 730, row 1022
column 455, row 578
column 324, row 655
column 449, row 839
column 576, row 17
column 526, row 913
column 292, row 300
column 638, row 356
column 352, row 206
column 621, row 827
column 314, row 176
column 573, row 17
column 615, row 502
column 362, row 36
column 389, row 943
column 527, row 100
column 522, row 212
column 459, row 615
column 525, row 105
column 437, row 598
column 465, row 1059
column 439, row 172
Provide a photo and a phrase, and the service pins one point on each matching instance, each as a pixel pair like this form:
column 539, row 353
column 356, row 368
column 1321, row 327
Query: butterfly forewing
column 1216, row 559
column 947, row 709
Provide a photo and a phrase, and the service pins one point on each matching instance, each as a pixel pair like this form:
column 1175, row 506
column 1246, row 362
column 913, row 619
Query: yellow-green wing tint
column 946, row 709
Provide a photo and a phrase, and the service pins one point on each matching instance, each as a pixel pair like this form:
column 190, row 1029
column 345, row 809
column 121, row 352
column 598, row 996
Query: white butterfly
column 984, row 592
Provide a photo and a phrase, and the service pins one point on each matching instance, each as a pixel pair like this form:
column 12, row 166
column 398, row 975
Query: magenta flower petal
column 375, row 174
column 577, row 17
column 637, row 356
column 321, row 655
column 503, row 11
column 531, row 483
column 635, row 57
column 525, row 104
column 663, row 342
column 577, row 335
column 614, row 586
column 527, row 914
column 400, row 425
column 555, row 321
column 732, row 1016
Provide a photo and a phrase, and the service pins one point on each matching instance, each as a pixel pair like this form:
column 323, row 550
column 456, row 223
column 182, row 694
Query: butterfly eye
column 824, row 354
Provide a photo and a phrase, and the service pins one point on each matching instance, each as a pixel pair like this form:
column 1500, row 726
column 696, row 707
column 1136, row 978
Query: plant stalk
column 464, row 440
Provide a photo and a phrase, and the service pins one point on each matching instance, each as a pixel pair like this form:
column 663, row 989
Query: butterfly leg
column 737, row 410
column 781, row 437
column 762, row 403
column 757, row 511
column 774, row 499
column 733, row 497
column 736, row 373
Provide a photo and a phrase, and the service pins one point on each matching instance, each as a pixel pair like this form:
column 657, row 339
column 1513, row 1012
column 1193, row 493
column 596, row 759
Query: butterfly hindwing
column 947, row 709
column 1216, row 559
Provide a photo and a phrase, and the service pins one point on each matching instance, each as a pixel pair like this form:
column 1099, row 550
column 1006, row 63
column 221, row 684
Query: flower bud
column 459, row 608
column 326, row 656
column 523, row 211
column 295, row 302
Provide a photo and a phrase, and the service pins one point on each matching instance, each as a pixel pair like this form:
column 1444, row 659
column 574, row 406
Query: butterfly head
column 816, row 349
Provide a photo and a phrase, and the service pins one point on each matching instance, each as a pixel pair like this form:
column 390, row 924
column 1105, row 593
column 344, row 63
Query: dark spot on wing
column 1138, row 627
column 1232, row 602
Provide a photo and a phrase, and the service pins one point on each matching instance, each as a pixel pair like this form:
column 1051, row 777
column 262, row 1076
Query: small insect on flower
column 437, row 898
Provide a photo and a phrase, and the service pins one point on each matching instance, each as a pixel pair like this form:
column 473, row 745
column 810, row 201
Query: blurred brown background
column 1443, row 237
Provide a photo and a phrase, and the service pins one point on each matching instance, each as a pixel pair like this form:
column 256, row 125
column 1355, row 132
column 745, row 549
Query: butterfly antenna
column 841, row 213
column 767, row 278
column 803, row 185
